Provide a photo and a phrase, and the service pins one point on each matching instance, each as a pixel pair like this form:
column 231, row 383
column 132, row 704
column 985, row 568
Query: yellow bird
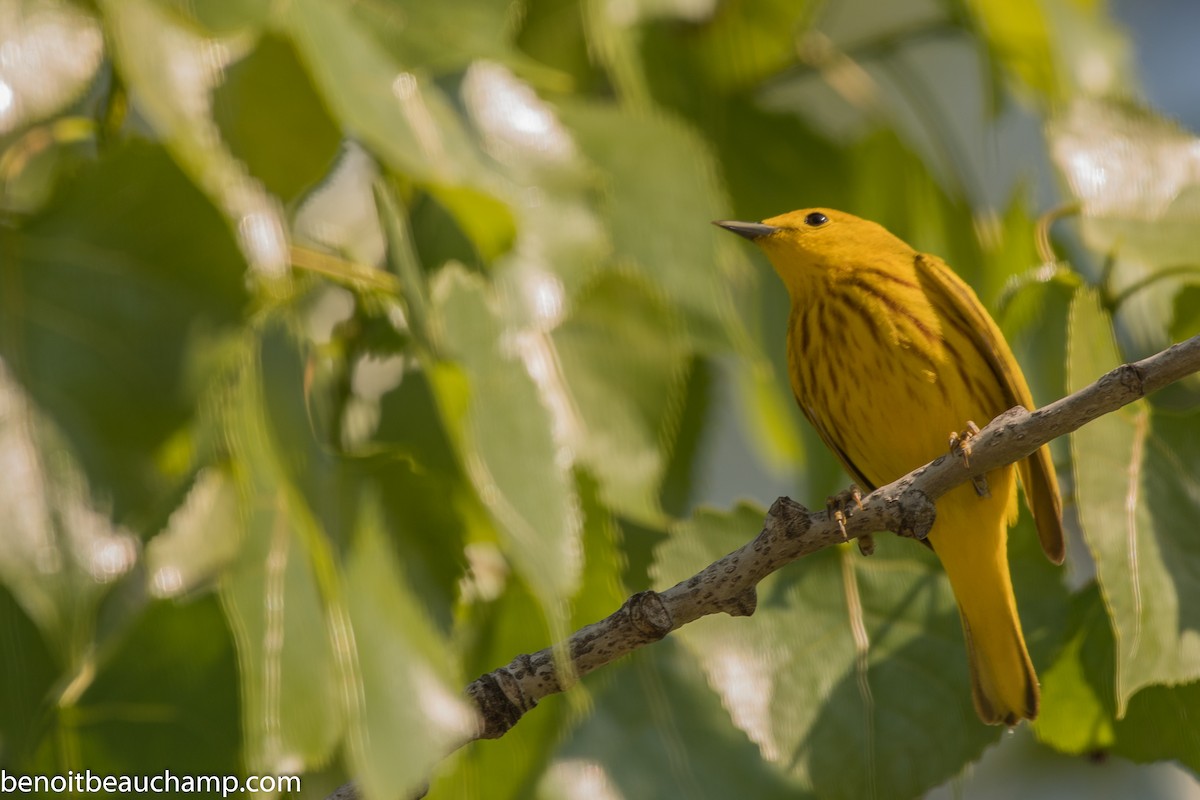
column 888, row 350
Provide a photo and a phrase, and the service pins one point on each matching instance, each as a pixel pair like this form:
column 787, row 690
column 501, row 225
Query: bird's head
column 803, row 244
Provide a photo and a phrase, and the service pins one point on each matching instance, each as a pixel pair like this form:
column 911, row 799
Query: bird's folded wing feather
column 1036, row 471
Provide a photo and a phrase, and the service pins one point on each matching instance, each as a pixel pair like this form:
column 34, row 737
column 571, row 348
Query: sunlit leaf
column 441, row 37
column 844, row 654
column 1137, row 496
column 200, row 540
column 62, row 552
column 111, row 322
column 411, row 714
column 1135, row 175
column 659, row 199
column 177, row 103
column 1018, row 37
column 657, row 731
column 1079, row 706
column 623, row 358
column 507, row 440
column 1077, row 689
column 271, row 118
column 395, row 111
column 290, row 681
column 52, row 51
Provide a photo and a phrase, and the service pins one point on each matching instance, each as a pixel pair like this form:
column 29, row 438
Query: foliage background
column 348, row 350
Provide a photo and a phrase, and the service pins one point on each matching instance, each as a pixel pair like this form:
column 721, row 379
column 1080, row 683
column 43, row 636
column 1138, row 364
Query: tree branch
column 905, row 506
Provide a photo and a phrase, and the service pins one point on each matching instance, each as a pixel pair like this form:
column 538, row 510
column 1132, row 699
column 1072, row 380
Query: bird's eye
column 816, row 219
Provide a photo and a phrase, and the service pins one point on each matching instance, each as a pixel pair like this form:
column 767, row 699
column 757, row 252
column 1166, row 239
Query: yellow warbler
column 888, row 351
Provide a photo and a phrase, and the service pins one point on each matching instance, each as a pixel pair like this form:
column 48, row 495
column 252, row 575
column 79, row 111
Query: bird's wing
column 1036, row 471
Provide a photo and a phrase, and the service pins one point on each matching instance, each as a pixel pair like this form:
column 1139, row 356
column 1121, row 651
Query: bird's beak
column 748, row 230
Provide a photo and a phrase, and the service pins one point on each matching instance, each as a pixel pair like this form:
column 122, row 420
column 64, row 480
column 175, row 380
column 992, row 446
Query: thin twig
column 905, row 506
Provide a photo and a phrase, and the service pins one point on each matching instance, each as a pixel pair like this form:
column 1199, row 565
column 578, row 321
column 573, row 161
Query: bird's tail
column 973, row 549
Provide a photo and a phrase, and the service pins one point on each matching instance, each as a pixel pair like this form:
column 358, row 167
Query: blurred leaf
column 61, row 551
column 272, row 119
column 291, row 687
column 1185, row 322
column 166, row 696
column 441, row 37
column 223, row 16
column 397, row 113
column 553, row 32
column 455, row 224
column 411, row 713
column 680, row 475
column 659, row 198
column 1136, row 496
column 1018, row 37
column 658, row 731
column 27, row 676
column 743, row 43
column 601, row 589
column 199, row 541
column 1135, row 175
column 623, row 358
column 493, row 629
column 177, row 104
column 507, row 440
column 110, row 322
column 805, row 705
column 556, row 236
column 52, row 52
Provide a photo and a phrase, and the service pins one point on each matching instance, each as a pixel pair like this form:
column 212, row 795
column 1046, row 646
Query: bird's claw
column 840, row 507
column 960, row 445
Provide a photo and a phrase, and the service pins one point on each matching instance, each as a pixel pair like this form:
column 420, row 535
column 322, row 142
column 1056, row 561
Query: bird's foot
column 840, row 507
column 960, row 446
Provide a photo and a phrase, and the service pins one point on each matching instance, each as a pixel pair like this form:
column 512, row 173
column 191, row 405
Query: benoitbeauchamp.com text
column 165, row 782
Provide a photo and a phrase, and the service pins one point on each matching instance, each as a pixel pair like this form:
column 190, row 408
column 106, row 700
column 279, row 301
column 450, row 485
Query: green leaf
column 1077, row 689
column 166, row 696
column 501, row 618
column 659, row 198
column 176, row 103
column 398, row 113
column 1132, row 171
column 1136, row 496
column 658, row 731
column 1185, row 322
column 201, row 538
column 291, row 683
column 507, row 441
column 411, row 713
column 744, row 42
column 27, row 676
column 1160, row 724
column 556, row 235
column 223, row 16
column 441, row 37
column 844, row 655
column 623, row 358
column 273, row 120
column 39, row 78
column 61, row 552
column 111, row 322
column 601, row 588
column 1079, row 708
column 1018, row 37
